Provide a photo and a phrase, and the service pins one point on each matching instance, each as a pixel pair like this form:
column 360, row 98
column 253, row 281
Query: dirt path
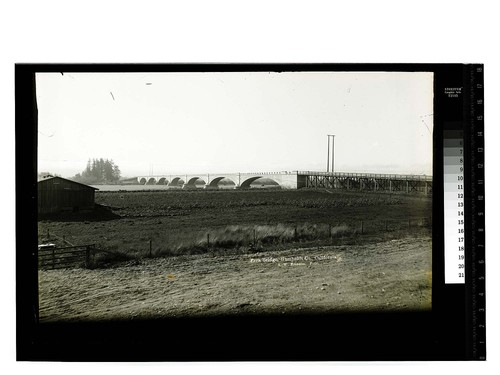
column 392, row 275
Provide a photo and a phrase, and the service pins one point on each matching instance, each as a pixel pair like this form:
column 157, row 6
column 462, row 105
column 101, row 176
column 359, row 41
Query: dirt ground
column 391, row 275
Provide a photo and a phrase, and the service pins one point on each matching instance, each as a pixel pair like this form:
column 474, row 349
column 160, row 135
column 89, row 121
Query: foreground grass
column 237, row 239
column 154, row 224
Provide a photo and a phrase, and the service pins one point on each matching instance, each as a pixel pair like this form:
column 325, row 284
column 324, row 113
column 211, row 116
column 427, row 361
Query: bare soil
column 390, row 275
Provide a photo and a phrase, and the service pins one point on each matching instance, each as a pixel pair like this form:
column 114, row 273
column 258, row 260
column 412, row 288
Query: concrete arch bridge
column 285, row 180
column 295, row 180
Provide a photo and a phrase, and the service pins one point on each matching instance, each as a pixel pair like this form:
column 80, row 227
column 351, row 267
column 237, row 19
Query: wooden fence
column 65, row 257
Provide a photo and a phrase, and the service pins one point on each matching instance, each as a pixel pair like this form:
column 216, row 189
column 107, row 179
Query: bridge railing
column 368, row 175
column 173, row 175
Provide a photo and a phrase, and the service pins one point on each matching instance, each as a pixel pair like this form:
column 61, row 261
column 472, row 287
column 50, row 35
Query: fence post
column 409, row 224
column 386, row 225
column 361, row 227
column 254, row 238
column 87, row 256
column 295, row 233
column 208, row 239
column 48, row 234
column 150, row 248
column 330, row 230
column 53, row 258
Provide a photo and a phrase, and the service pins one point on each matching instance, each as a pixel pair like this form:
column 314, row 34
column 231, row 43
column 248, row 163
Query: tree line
column 99, row 171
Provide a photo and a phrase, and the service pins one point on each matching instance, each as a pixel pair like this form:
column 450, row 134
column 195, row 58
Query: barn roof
column 65, row 179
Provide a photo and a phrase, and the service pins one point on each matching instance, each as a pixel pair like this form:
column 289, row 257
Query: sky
column 166, row 123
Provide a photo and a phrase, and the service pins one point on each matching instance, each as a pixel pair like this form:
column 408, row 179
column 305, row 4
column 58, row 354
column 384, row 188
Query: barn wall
column 55, row 195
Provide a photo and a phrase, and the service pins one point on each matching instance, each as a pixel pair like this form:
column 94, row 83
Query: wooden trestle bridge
column 368, row 182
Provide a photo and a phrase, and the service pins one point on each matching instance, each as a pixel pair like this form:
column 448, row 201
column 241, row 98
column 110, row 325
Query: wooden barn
column 57, row 194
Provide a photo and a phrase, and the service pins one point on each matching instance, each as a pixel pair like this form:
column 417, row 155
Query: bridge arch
column 151, row 181
column 176, row 182
column 246, row 183
column 143, row 181
column 162, row 181
column 214, row 183
column 193, row 182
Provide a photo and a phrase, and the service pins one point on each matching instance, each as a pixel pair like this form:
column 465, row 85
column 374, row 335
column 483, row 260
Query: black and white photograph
column 249, row 212
column 220, row 193
column 261, row 188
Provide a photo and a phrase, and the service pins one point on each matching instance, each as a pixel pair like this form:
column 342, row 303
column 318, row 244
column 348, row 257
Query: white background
column 257, row 31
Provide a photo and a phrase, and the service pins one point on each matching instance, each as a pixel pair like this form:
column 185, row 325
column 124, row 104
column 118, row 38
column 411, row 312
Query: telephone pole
column 333, row 153
column 328, row 156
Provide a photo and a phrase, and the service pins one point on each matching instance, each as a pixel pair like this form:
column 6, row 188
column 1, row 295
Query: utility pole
column 333, row 153
column 328, row 156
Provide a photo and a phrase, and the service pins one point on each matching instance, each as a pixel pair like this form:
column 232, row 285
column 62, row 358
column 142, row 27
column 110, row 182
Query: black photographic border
column 445, row 333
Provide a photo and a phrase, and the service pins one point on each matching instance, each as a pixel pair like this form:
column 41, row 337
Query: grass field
column 139, row 224
column 199, row 253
